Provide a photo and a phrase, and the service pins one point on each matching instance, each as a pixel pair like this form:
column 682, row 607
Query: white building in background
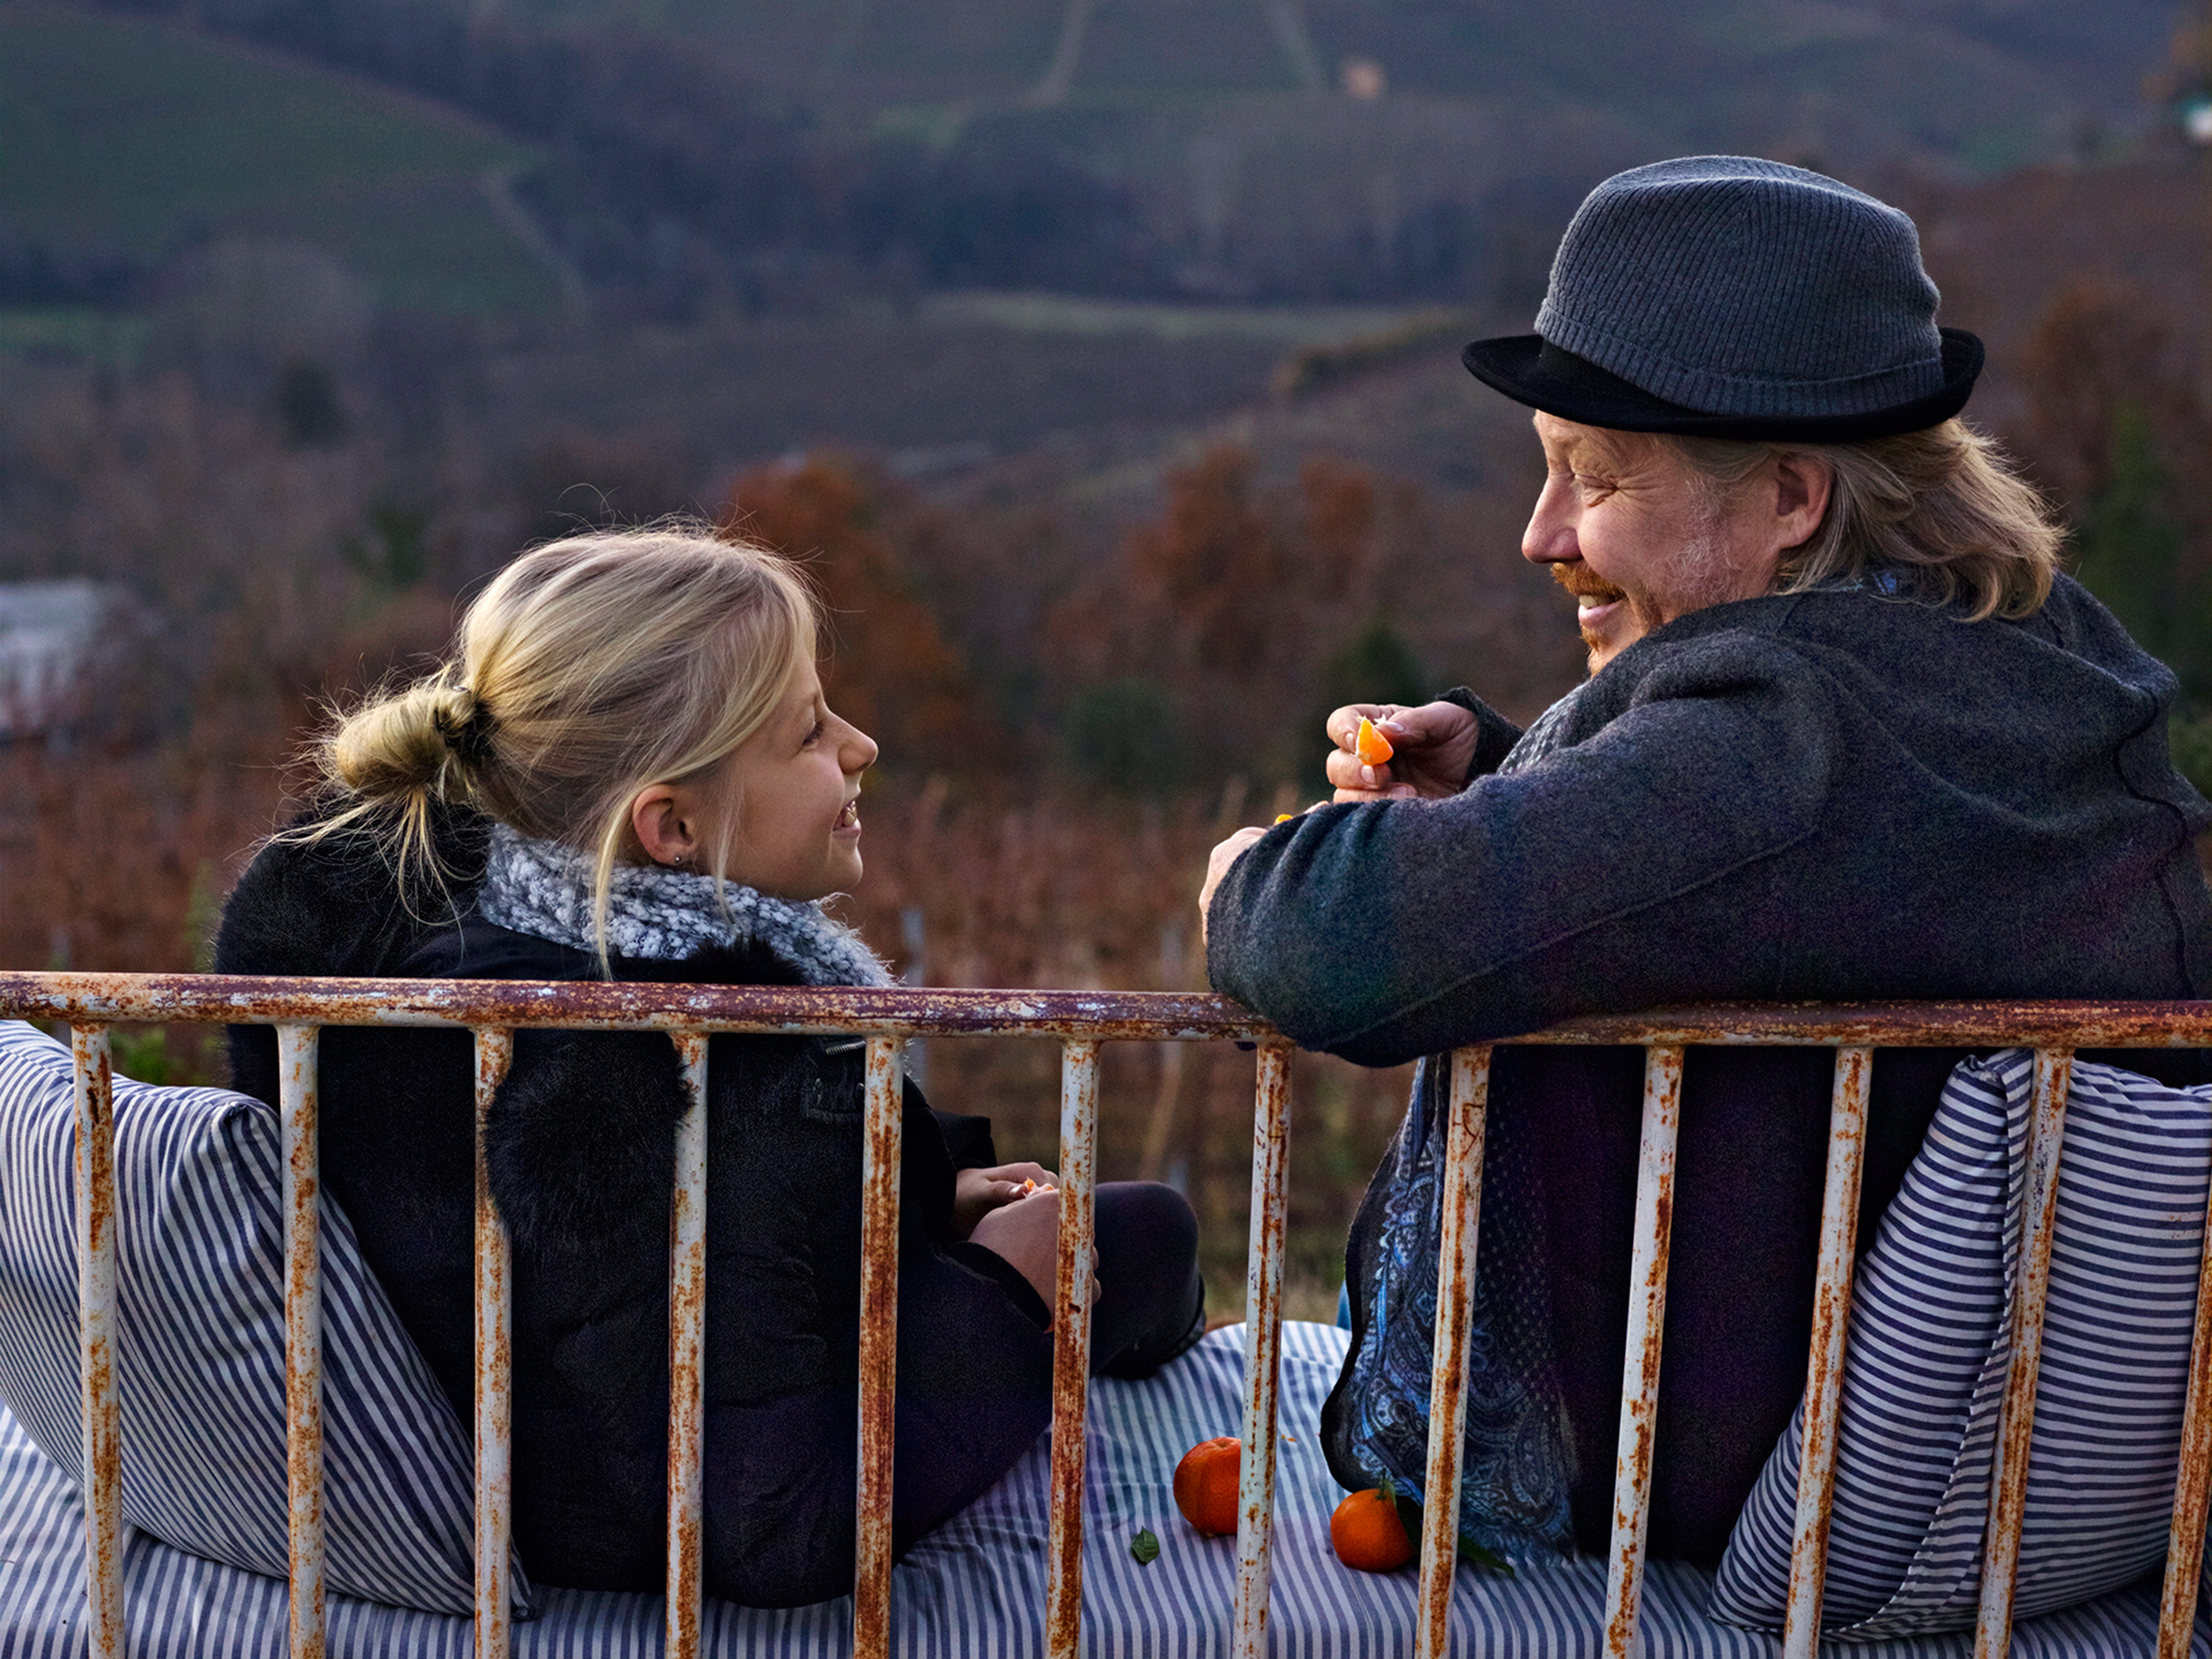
column 52, row 635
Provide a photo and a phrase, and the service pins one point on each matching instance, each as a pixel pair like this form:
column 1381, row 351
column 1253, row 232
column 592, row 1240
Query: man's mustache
column 1585, row 583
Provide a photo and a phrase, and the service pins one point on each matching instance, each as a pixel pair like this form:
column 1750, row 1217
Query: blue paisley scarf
column 1518, row 1460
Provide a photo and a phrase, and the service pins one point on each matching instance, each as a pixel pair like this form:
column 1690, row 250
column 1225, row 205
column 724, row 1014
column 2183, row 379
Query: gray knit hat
column 1728, row 297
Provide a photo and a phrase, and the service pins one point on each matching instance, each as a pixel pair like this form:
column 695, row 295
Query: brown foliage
column 1235, row 598
column 889, row 670
column 2101, row 345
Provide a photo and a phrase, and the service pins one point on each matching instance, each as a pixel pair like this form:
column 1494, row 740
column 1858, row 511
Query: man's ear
column 1803, row 484
column 665, row 832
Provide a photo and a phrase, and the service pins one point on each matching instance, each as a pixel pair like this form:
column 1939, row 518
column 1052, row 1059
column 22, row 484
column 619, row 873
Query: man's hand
column 976, row 1193
column 1026, row 1234
column 1434, row 744
column 1217, row 867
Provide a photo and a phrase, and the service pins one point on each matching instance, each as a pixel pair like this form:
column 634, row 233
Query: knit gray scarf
column 545, row 890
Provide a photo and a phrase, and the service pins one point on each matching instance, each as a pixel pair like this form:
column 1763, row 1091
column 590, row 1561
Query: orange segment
column 1370, row 745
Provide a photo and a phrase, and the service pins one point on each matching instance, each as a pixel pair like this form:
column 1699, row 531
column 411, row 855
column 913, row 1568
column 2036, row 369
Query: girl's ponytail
column 397, row 757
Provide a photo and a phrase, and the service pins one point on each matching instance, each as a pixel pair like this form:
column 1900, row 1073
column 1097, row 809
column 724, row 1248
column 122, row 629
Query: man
column 1848, row 735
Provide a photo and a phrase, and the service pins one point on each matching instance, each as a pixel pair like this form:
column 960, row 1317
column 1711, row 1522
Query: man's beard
column 1702, row 576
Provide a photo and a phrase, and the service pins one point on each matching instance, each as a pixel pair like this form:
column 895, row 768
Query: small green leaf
column 1472, row 1551
column 1145, row 1546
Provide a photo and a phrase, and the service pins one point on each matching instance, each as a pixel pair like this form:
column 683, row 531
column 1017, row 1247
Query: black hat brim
column 1529, row 370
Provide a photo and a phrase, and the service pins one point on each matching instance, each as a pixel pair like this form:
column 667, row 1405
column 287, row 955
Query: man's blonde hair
column 1942, row 509
column 591, row 668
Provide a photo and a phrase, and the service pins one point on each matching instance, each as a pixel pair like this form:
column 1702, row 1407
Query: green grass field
column 134, row 136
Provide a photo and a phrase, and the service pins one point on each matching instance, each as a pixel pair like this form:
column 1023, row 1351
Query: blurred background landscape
column 1100, row 355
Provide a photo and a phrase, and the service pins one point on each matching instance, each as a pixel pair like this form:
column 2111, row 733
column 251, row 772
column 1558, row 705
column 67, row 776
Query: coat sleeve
column 1632, row 868
column 1495, row 734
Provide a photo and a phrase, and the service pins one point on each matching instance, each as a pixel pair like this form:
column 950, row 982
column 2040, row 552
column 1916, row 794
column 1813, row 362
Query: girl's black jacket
column 580, row 1144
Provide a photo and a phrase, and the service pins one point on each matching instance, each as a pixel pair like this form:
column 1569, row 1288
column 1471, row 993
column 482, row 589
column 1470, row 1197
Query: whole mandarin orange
column 1368, row 1533
column 1206, row 1484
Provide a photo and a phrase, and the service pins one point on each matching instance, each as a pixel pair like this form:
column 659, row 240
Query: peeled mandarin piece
column 1284, row 818
column 1370, row 745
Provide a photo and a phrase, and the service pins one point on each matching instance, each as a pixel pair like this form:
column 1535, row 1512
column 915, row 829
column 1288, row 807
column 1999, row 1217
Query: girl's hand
column 1027, row 1234
column 1435, row 745
column 976, row 1193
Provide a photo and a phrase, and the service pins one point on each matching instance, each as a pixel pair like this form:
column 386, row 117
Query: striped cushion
column 200, row 1242
column 1930, row 1338
column 974, row 1589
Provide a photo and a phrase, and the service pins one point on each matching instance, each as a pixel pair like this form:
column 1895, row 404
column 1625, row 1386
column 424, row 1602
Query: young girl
column 629, row 771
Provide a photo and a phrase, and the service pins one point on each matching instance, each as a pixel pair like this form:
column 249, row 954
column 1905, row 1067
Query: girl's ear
column 664, row 831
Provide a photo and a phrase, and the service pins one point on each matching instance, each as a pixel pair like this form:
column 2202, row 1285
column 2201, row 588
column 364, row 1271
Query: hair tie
column 468, row 735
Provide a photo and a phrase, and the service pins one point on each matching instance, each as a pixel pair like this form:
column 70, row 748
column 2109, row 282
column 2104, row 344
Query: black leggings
column 1151, row 1301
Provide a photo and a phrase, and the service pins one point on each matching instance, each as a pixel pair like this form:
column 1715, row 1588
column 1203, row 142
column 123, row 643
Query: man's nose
column 1549, row 538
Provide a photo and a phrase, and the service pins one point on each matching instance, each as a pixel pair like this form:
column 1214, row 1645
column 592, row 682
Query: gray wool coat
column 1831, row 795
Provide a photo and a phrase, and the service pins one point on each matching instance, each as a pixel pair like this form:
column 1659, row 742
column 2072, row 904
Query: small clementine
column 1206, row 1484
column 1368, row 1533
column 1370, row 745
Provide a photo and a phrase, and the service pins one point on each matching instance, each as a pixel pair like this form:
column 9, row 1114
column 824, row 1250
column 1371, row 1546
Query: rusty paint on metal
column 1071, row 1345
column 1647, row 1319
column 878, row 1349
column 90, row 1001
column 1824, row 1378
column 1262, row 1343
column 101, row 1470
column 297, row 1100
column 1103, row 1016
column 1448, row 1372
column 2016, row 1426
column 687, row 1352
column 897, row 1011
column 495, row 1366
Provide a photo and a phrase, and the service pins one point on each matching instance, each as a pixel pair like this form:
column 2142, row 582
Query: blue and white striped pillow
column 1930, row 1338
column 200, row 1269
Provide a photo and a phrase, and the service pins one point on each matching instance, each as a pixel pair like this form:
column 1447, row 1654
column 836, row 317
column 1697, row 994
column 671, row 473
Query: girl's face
column 787, row 803
column 794, row 788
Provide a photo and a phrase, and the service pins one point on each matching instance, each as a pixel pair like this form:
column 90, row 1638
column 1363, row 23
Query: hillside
column 773, row 155
column 128, row 140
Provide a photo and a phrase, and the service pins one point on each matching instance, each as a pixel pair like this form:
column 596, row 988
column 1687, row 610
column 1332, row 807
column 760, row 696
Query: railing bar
column 2192, row 1473
column 1647, row 1319
column 1824, row 1368
column 2016, row 1426
column 1103, row 1016
column 297, row 1047
column 878, row 1349
column 100, row 1397
column 1071, row 1344
column 495, row 1308
column 687, row 1352
column 1448, row 1372
column 1263, row 1345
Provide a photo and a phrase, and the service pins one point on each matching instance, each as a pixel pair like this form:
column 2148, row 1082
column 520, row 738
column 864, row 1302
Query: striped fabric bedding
column 976, row 1587
column 200, row 1301
column 1930, row 1341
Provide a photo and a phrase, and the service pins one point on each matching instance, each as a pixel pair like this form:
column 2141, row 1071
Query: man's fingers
column 1431, row 723
column 1343, row 724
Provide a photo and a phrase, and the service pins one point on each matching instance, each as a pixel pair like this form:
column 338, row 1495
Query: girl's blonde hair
column 1942, row 508
column 591, row 668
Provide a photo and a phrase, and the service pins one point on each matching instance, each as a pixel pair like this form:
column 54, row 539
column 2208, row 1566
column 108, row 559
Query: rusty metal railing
column 1084, row 1021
